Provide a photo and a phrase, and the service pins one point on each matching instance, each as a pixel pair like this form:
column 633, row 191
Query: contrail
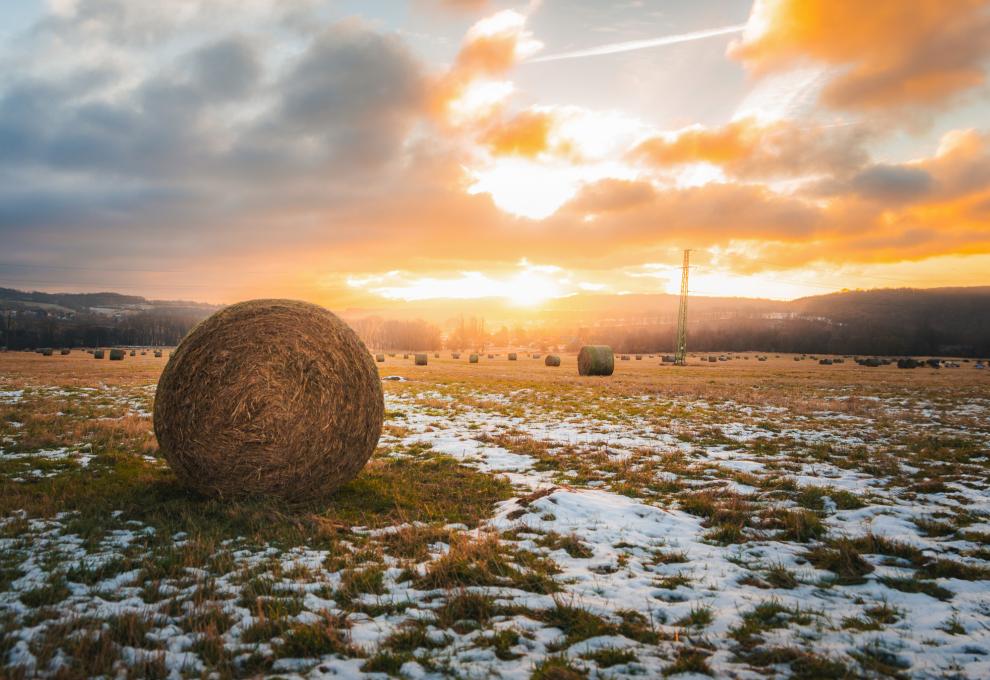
column 639, row 44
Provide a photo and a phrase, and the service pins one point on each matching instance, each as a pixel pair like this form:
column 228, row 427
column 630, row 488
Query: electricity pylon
column 680, row 355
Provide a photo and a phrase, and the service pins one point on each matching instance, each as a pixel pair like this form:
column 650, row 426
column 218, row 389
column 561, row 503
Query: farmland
column 736, row 518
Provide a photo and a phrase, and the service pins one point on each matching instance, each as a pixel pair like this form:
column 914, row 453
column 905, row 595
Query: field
column 743, row 519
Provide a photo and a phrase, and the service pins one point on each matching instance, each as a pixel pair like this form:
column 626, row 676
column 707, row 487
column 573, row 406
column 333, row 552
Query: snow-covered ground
column 663, row 534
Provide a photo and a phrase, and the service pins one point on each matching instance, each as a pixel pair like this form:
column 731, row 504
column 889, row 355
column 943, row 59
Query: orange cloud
column 884, row 53
column 746, row 148
column 490, row 49
column 526, row 134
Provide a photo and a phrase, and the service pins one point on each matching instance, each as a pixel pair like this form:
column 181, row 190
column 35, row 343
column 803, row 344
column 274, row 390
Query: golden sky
column 371, row 154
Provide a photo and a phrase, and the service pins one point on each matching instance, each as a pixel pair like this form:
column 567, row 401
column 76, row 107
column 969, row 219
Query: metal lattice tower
column 680, row 355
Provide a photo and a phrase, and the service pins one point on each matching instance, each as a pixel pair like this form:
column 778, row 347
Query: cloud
column 749, row 149
column 884, row 54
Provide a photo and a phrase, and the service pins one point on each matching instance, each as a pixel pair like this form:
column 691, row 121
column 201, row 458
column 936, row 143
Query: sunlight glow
column 530, row 286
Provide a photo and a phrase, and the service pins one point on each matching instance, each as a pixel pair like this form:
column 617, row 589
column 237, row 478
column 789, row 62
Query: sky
column 374, row 154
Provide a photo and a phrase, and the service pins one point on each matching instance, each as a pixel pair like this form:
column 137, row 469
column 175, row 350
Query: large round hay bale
column 512, row 356
column 552, row 360
column 46, row 351
column 64, row 351
column 473, row 359
column 420, row 360
column 97, row 353
column 158, row 354
column 596, row 360
column 269, row 397
column 379, row 358
column 116, row 355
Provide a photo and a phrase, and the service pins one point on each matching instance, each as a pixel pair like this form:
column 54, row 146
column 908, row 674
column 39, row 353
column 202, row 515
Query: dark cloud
column 892, row 183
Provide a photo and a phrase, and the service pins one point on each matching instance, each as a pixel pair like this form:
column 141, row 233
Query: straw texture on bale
column 473, row 359
column 421, row 360
column 596, row 360
column 269, row 397
column 552, row 360
column 97, row 353
column 116, row 355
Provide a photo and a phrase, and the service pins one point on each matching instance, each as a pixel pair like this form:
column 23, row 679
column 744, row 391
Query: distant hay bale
column 63, row 352
column 596, row 360
column 379, row 358
column 405, row 356
column 133, row 353
column 825, row 362
column 436, row 355
column 158, row 354
column 269, row 397
column 639, row 357
column 116, row 355
column 97, row 353
column 455, row 355
column 667, row 359
column 536, row 356
column 512, row 356
column 473, row 359
column 491, row 356
column 47, row 351
column 624, row 357
column 421, row 360
column 552, row 360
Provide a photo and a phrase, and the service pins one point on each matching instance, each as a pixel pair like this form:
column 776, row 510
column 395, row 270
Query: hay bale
column 639, row 357
column 436, row 355
column 133, row 353
column 379, row 358
column 269, row 397
column 552, row 360
column 421, row 360
column 116, row 355
column 473, row 359
column 63, row 352
column 97, row 353
column 455, row 355
column 46, row 351
column 491, row 356
column 405, row 356
column 596, row 360
column 512, row 356
column 536, row 356
column 625, row 357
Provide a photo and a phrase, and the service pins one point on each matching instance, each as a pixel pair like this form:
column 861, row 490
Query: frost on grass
column 512, row 527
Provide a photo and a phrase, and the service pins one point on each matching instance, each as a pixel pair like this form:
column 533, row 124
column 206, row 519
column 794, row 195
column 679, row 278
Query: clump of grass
column 484, row 562
column 842, row 559
column 948, row 568
column 557, row 668
column 765, row 616
column 700, row 616
column 355, row 582
column 576, row 623
column 798, row 525
column 917, row 585
column 328, row 636
column 607, row 657
column 570, row 543
column 502, row 643
column 813, row 498
column 465, row 610
column 689, row 660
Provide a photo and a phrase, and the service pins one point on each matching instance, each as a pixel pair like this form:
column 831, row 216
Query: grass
column 842, row 559
column 200, row 564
